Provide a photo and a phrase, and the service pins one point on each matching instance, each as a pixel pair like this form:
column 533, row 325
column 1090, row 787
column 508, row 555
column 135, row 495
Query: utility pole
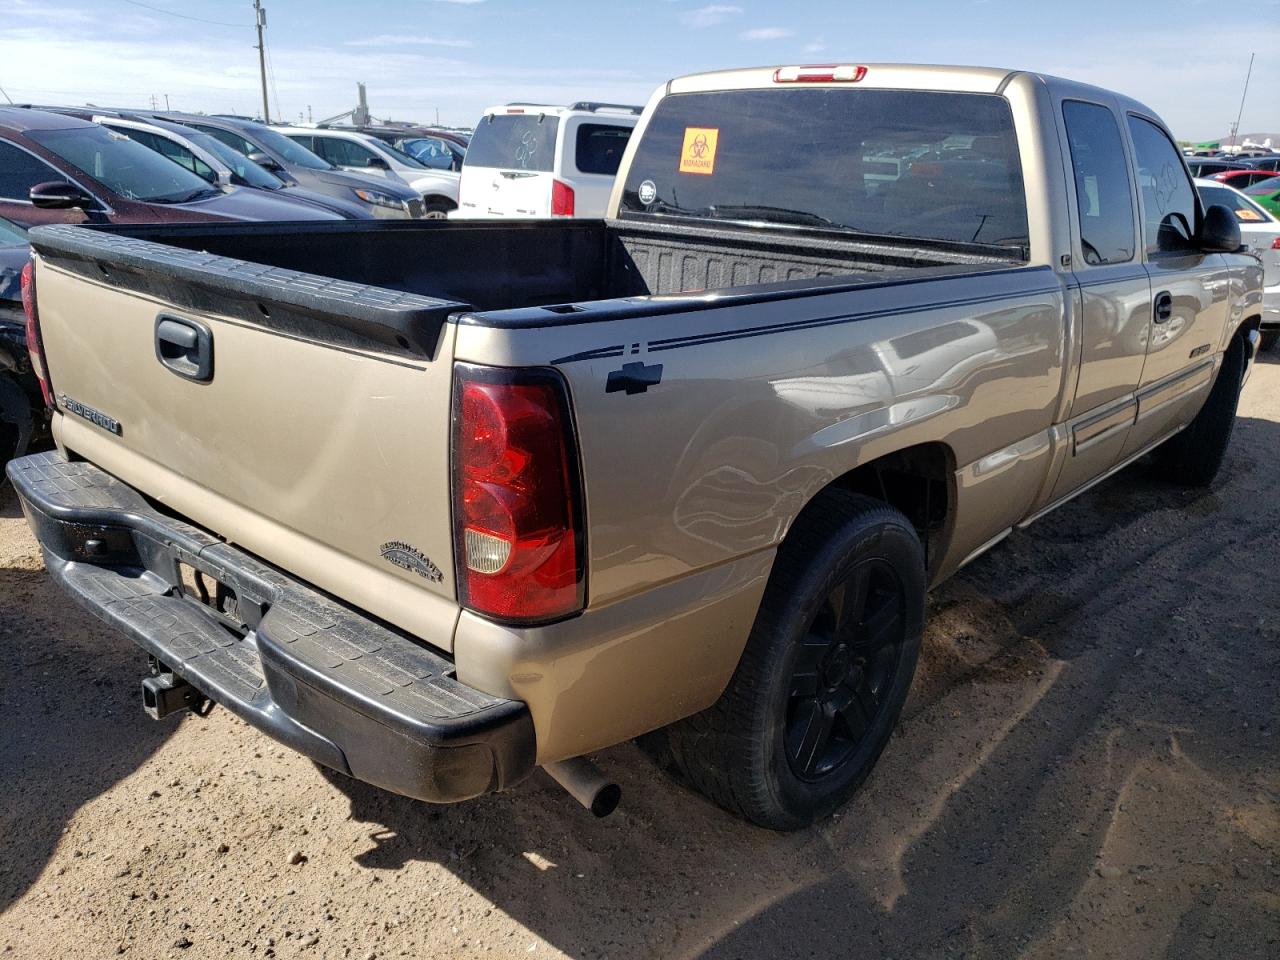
column 260, row 16
column 166, row 103
column 1236, row 127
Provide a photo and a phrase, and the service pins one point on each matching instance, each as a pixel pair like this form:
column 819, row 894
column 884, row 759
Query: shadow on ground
column 70, row 719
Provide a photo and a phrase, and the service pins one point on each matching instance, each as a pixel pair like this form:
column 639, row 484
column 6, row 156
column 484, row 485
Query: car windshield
column 11, row 233
column 1264, row 188
column 912, row 164
column 1246, row 210
column 292, row 152
column 241, row 166
column 124, row 167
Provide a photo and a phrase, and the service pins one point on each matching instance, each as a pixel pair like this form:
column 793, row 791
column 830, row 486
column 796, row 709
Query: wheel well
column 918, row 481
column 435, row 198
column 1242, row 331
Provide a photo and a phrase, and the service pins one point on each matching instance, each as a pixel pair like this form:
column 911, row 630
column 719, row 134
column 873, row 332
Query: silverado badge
column 410, row 558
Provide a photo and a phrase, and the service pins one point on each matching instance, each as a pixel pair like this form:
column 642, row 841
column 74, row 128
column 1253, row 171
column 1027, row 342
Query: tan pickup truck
column 439, row 503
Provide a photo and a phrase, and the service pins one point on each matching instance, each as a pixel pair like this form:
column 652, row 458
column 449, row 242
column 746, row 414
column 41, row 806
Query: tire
column 1193, row 457
column 435, row 209
column 816, row 695
column 1269, row 339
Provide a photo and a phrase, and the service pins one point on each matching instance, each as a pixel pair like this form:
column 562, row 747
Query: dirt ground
column 1089, row 767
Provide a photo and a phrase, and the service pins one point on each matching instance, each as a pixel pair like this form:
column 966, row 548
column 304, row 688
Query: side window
column 1101, row 172
column 308, row 142
column 1168, row 199
column 599, row 148
column 343, row 152
column 232, row 140
column 20, row 171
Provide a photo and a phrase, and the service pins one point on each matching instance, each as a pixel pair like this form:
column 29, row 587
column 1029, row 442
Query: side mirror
column 1220, row 231
column 59, row 195
column 378, row 163
column 264, row 161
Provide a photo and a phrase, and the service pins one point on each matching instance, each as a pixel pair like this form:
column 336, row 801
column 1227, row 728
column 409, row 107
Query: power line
column 182, row 16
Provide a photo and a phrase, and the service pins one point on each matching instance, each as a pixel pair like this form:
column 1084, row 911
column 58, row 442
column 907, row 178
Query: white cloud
column 816, row 46
column 709, row 16
column 766, row 33
column 408, row 40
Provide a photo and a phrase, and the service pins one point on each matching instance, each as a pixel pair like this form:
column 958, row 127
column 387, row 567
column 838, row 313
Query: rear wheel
column 1193, row 457
column 825, row 672
column 1269, row 339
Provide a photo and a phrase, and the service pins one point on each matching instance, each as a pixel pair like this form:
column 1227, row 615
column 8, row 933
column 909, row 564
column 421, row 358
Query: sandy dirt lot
column 1089, row 767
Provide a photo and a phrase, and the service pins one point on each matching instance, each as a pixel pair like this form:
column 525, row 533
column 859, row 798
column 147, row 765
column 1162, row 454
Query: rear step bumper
column 340, row 688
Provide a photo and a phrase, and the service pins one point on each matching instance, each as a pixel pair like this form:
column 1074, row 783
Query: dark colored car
column 59, row 169
column 278, row 154
column 1207, row 168
column 1271, row 163
column 1242, row 178
column 21, row 405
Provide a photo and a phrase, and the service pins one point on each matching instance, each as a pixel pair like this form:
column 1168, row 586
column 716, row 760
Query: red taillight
column 1275, row 244
column 561, row 199
column 517, row 508
column 35, row 346
column 821, row 73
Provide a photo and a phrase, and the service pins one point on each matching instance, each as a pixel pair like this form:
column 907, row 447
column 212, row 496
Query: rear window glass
column 600, row 146
column 514, row 142
column 939, row 166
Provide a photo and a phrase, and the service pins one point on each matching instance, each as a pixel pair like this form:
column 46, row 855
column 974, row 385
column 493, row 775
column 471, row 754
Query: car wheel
column 435, row 209
column 825, row 672
column 1269, row 339
column 1193, row 457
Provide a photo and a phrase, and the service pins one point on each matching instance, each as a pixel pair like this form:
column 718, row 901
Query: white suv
column 362, row 153
column 529, row 160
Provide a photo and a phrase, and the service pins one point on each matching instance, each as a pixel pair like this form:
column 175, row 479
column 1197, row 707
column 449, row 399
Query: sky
column 424, row 59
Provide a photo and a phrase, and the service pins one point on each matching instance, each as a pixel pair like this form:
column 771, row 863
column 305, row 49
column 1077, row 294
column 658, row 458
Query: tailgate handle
column 185, row 347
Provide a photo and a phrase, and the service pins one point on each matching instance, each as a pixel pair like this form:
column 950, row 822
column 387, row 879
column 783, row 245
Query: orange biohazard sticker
column 698, row 155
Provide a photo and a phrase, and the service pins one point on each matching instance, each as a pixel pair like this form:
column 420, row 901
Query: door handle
column 185, row 347
column 1164, row 307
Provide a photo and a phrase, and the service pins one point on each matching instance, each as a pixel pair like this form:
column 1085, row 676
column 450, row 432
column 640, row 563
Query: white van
column 530, row 160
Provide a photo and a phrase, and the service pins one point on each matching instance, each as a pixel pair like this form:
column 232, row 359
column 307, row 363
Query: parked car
column 438, row 149
column 278, row 154
column 1208, row 167
column 373, row 158
column 1271, row 163
column 21, row 404
column 1260, row 230
column 1266, row 193
column 528, row 160
column 59, row 169
column 218, row 164
column 503, row 494
column 1240, row 179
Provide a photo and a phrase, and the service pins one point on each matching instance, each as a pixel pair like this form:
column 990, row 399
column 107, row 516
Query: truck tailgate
column 319, row 441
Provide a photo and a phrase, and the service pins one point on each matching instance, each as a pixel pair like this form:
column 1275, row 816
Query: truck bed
column 483, row 266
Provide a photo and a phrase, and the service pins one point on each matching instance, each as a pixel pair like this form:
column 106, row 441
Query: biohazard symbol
column 698, row 155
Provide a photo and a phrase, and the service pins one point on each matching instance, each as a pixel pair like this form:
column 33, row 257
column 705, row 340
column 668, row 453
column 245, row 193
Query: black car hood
column 396, row 188
column 12, row 259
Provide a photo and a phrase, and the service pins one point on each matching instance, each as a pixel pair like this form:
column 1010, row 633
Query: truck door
column 1113, row 294
column 1190, row 291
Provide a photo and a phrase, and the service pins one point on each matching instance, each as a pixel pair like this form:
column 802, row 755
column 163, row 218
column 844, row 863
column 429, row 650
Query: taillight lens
column 1275, row 244
column 35, row 346
column 561, row 199
column 517, row 500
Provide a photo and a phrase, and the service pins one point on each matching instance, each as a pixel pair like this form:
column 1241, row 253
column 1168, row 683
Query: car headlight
column 379, row 199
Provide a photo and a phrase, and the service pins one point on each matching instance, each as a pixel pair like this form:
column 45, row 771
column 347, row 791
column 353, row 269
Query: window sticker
column 698, row 155
column 1244, row 213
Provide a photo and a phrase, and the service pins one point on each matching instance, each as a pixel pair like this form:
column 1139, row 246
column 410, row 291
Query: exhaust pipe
column 586, row 784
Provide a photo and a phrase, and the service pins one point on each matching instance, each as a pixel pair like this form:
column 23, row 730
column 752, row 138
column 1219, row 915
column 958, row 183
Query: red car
column 1242, row 178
